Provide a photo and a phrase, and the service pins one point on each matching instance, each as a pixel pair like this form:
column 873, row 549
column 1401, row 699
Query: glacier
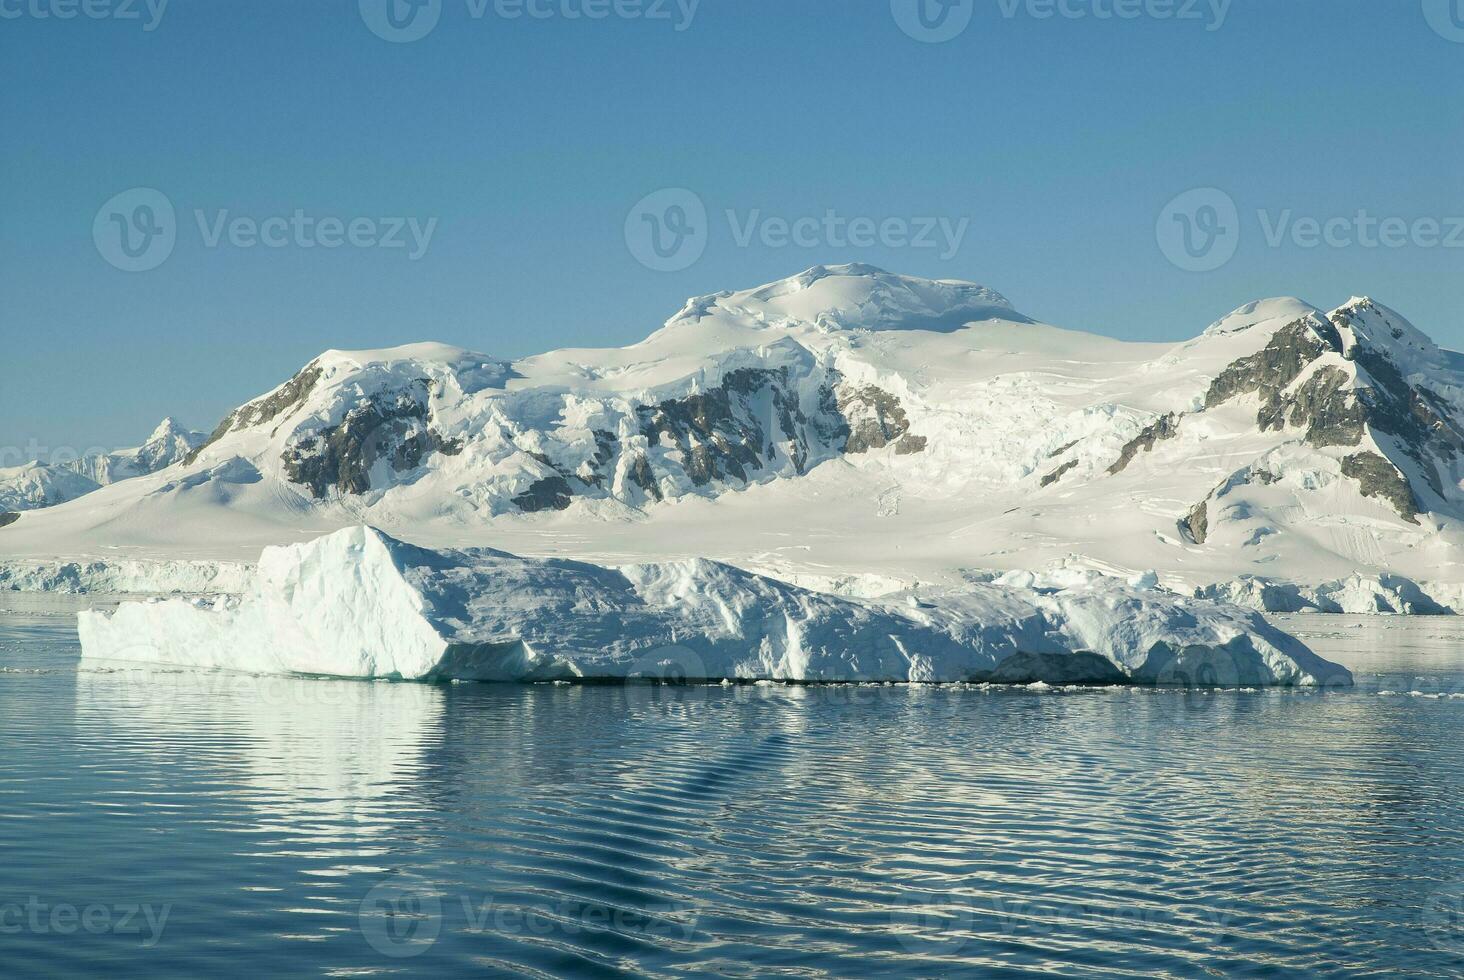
column 359, row 603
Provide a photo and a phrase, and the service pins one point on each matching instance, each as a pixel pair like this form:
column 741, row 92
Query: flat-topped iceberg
column 358, row 603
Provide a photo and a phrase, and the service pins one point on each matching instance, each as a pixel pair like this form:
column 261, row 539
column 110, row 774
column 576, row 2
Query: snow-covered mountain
column 852, row 429
column 168, row 444
column 36, row 485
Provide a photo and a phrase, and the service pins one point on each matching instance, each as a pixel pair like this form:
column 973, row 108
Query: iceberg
column 360, row 604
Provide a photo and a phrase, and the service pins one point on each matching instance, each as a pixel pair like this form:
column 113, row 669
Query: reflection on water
column 274, row 826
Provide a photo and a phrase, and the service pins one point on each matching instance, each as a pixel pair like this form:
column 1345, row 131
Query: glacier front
column 359, row 603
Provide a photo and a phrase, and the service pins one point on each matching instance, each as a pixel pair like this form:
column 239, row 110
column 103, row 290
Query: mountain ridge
column 835, row 423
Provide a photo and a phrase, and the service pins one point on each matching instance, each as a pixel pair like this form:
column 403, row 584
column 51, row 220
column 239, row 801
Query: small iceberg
column 361, row 604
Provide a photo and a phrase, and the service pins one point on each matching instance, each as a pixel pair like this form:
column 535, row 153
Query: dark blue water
column 159, row 824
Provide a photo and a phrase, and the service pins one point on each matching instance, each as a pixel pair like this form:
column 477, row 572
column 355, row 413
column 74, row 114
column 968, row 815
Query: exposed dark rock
column 1378, row 477
column 874, row 416
column 1270, row 371
column 341, row 457
column 1166, row 427
column 1335, row 411
column 550, row 493
column 605, row 442
column 1196, row 524
column 290, row 395
column 717, row 441
column 910, row 444
column 8, row 518
column 641, row 476
column 1061, row 449
column 1058, row 473
column 1082, row 667
column 1332, row 414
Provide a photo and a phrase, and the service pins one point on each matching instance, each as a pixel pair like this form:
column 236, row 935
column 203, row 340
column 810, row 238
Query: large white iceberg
column 358, row 603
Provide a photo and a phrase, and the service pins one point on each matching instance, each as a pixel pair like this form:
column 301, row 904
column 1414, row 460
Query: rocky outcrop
column 1059, row 473
column 1324, row 405
column 756, row 423
column 1165, row 427
column 717, row 433
column 875, row 419
column 1270, row 371
column 289, row 396
column 9, row 518
column 1378, row 477
column 550, row 493
column 340, row 457
column 1339, row 404
column 1196, row 524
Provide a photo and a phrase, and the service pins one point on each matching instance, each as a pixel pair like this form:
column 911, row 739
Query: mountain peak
column 168, row 428
column 1276, row 310
column 833, row 298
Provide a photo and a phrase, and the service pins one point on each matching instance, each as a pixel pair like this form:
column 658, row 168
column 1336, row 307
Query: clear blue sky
column 531, row 140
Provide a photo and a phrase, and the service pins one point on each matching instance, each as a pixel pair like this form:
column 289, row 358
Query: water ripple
column 314, row 827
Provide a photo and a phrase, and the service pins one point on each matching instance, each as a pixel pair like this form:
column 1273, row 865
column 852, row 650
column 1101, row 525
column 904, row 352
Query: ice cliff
column 358, row 603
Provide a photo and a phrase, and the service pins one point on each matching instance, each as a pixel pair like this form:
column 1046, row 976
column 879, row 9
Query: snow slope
column 359, row 603
column 37, row 485
column 860, row 432
column 168, row 444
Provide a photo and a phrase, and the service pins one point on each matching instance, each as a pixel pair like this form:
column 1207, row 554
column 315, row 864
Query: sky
column 199, row 196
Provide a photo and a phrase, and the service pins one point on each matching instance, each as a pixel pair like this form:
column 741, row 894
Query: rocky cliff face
column 1351, row 380
column 349, row 432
